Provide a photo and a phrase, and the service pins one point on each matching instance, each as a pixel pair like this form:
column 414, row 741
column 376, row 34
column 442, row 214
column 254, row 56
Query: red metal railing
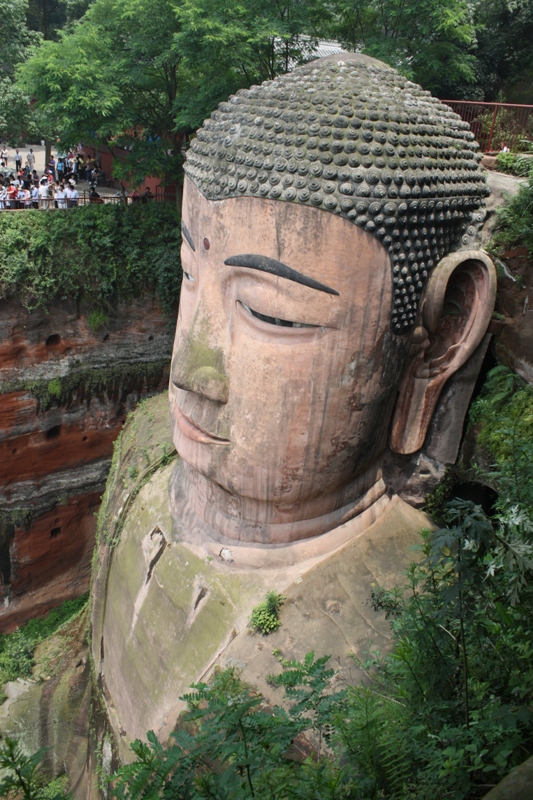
column 50, row 204
column 497, row 125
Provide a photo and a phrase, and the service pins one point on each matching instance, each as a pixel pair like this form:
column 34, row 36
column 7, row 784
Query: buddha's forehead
column 307, row 237
column 353, row 138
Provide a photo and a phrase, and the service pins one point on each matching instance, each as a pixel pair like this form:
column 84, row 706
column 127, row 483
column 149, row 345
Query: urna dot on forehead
column 353, row 137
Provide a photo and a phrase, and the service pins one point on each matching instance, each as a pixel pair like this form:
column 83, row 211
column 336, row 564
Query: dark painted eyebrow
column 273, row 267
column 187, row 236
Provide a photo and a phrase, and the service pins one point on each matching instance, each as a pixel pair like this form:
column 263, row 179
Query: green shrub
column 17, row 648
column 97, row 254
column 265, row 616
column 514, row 164
column 503, row 414
column 54, row 388
column 97, row 320
column 514, row 221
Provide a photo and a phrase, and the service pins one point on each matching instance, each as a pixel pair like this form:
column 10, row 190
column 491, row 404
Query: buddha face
column 285, row 369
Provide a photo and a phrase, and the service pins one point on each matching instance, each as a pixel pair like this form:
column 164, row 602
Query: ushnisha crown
column 352, row 136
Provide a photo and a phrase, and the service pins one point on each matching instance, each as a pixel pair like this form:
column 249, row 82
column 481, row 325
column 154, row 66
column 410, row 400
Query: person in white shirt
column 3, row 197
column 35, row 196
column 61, row 196
column 30, row 158
column 4, row 155
column 24, row 198
column 44, row 194
column 74, row 195
column 68, row 194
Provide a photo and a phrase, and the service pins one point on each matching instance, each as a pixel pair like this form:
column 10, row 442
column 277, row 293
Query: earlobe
column 456, row 312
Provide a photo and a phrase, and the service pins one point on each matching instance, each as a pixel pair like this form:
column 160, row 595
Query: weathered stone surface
column 513, row 338
column 489, row 162
column 166, row 611
column 518, row 785
column 52, row 709
column 65, row 391
column 501, row 186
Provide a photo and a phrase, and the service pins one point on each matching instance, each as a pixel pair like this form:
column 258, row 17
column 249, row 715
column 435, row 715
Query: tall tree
column 430, row 41
column 142, row 74
column 17, row 40
column 16, row 44
column 113, row 78
column 504, row 54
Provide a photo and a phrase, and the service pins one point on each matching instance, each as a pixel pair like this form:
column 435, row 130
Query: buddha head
column 331, row 286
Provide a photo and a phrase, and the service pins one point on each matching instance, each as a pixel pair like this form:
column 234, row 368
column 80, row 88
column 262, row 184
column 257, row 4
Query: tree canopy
column 143, row 75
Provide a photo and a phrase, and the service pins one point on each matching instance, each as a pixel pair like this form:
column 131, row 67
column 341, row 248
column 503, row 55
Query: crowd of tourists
column 21, row 186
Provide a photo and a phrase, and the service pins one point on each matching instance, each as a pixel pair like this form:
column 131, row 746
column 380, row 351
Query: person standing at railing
column 34, row 196
column 3, row 196
column 12, row 193
column 74, row 195
column 61, row 196
column 44, row 193
column 24, row 198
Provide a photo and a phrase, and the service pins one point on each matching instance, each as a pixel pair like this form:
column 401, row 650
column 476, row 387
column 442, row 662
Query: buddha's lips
column 193, row 431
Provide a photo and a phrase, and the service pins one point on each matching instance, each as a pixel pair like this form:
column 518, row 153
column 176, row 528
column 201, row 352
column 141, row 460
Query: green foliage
column 17, row 648
column 461, row 666
column 54, row 388
column 514, row 220
column 430, row 42
column 113, row 78
column 229, row 46
column 436, row 501
column 97, row 320
column 514, row 164
column 503, row 414
column 21, row 777
column 88, row 382
column 17, row 41
column 98, row 254
column 229, row 745
column 265, row 616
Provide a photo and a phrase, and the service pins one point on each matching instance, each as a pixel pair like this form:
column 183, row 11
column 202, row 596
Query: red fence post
column 492, row 127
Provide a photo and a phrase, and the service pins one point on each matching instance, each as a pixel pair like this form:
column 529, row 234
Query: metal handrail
column 51, row 204
column 496, row 125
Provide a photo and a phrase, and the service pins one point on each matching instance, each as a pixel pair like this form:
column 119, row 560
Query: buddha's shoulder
column 142, row 450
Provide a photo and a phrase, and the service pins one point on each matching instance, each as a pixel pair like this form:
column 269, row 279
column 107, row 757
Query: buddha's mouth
column 193, row 431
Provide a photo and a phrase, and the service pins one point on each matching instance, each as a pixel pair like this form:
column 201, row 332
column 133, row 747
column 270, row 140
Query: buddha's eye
column 284, row 323
column 187, row 276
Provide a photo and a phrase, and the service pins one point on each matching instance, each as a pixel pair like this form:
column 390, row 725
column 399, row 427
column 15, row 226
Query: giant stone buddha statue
column 332, row 286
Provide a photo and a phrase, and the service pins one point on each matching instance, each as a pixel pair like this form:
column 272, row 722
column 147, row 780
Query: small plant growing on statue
column 265, row 616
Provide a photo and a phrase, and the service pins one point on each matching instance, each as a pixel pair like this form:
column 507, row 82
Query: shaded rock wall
column 65, row 390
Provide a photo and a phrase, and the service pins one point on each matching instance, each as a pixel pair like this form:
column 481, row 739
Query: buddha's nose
column 198, row 366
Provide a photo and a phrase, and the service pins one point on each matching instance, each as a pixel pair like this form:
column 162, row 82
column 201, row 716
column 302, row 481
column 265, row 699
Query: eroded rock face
column 65, row 390
column 513, row 341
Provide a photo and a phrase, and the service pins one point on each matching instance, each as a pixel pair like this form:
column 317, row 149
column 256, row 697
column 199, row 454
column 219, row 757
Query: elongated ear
column 456, row 312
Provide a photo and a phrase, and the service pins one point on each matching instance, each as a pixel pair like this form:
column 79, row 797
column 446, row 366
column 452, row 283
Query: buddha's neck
column 200, row 504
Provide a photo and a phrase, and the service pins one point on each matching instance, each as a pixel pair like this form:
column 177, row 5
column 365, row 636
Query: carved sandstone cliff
column 65, row 390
